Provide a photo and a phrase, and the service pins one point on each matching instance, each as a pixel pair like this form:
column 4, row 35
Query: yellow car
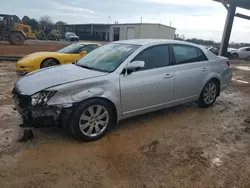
column 69, row 54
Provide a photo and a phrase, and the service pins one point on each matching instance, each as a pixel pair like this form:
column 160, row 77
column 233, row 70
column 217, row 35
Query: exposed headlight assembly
column 41, row 98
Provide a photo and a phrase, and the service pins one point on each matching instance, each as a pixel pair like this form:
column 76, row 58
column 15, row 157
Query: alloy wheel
column 210, row 93
column 94, row 120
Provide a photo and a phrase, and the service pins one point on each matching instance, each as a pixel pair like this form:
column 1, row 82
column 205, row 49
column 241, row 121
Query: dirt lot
column 30, row 46
column 179, row 147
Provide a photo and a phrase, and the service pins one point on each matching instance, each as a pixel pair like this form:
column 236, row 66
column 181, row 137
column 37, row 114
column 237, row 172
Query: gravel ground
column 183, row 146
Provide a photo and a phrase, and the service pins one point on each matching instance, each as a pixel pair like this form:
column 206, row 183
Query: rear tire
column 90, row 126
column 49, row 63
column 208, row 95
column 16, row 38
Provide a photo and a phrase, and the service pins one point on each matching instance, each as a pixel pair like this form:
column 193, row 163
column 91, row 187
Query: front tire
column 91, row 120
column 16, row 38
column 208, row 95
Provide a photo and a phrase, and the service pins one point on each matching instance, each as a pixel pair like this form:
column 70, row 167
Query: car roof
column 144, row 42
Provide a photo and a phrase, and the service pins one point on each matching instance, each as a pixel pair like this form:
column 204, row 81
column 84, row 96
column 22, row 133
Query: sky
column 203, row 19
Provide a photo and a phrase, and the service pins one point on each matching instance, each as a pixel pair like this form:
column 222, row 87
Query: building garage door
column 130, row 33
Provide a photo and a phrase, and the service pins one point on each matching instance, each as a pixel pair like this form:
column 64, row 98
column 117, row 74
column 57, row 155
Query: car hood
column 53, row 76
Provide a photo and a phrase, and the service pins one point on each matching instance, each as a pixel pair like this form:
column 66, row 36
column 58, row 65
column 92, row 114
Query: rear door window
column 187, row 54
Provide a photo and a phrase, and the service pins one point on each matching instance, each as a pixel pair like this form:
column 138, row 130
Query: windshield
column 108, row 57
column 71, row 49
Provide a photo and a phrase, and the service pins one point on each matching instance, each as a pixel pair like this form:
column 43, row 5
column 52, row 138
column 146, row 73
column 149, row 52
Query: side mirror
column 135, row 65
column 83, row 53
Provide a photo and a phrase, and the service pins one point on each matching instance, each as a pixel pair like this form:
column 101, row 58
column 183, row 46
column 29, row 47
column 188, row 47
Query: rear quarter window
column 187, row 54
column 210, row 55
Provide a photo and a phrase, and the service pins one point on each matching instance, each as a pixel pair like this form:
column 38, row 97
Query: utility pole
column 227, row 29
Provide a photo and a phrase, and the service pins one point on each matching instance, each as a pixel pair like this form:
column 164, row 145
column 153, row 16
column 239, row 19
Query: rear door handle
column 168, row 76
column 204, row 70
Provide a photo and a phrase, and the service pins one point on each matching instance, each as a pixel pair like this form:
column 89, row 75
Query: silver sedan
column 120, row 80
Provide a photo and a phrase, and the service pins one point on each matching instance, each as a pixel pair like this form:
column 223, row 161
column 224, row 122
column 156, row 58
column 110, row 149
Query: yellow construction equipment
column 10, row 32
column 26, row 29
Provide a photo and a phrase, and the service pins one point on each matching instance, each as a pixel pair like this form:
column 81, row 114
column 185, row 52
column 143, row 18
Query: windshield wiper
column 90, row 68
column 84, row 66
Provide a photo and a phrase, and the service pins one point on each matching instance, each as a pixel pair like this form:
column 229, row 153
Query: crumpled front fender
column 93, row 92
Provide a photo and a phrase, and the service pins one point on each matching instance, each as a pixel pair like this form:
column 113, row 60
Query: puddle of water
column 240, row 81
column 245, row 68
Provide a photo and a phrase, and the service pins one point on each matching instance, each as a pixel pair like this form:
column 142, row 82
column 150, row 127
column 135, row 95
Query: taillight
column 229, row 64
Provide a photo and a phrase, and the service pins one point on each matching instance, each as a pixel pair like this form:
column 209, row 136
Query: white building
column 141, row 31
column 113, row 32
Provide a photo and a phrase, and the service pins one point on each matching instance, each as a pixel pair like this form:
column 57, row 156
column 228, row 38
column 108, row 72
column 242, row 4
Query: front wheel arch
column 77, row 109
column 114, row 108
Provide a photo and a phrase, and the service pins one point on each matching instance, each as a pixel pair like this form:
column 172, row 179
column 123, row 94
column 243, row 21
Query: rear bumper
column 226, row 78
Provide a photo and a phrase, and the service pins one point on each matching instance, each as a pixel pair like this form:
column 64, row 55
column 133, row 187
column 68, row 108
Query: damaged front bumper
column 38, row 117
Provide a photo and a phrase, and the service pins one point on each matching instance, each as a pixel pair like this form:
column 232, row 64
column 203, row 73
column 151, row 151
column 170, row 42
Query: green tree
column 46, row 21
column 25, row 19
column 33, row 23
column 60, row 23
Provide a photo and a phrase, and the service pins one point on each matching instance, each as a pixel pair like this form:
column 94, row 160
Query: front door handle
column 168, row 76
column 204, row 70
